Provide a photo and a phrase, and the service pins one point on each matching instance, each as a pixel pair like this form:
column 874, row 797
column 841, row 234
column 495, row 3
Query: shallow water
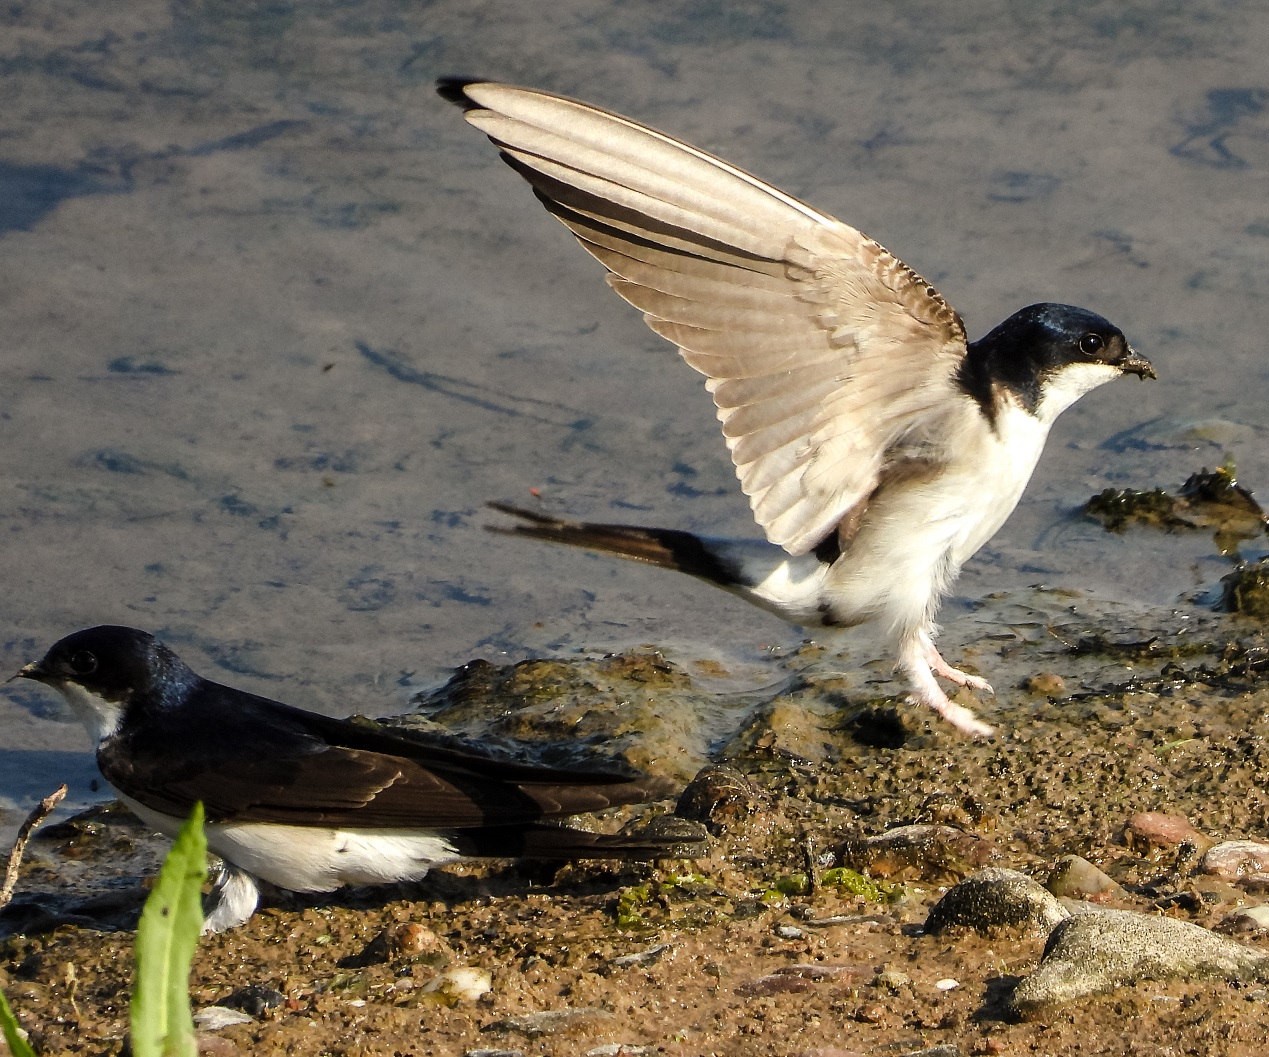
column 277, row 323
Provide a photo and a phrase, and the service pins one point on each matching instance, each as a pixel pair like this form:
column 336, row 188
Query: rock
column 830, row 1051
column 719, row 796
column 801, row 977
column 406, row 939
column 993, row 899
column 1246, row 590
column 1048, row 684
column 635, row 706
column 1104, row 949
column 692, row 836
column 255, row 999
column 922, row 852
column 550, row 1021
column 647, row 957
column 1237, row 861
column 775, row 984
column 1150, row 830
column 1246, row 921
column 1077, row 878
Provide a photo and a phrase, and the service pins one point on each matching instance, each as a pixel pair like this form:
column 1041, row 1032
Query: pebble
column 620, row 1049
column 1077, row 878
column 1150, row 830
column 1237, row 860
column 1101, row 950
column 648, row 957
column 551, row 1021
column 789, row 932
column 406, row 939
column 215, row 1046
column 892, row 979
column 720, row 797
column 214, row 1018
column 996, row 898
column 461, row 984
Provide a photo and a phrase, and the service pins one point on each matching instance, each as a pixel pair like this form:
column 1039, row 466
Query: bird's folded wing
column 824, row 352
column 293, row 774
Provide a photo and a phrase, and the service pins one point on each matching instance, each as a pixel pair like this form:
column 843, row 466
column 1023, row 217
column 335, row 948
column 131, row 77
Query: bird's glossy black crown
column 115, row 662
column 1035, row 343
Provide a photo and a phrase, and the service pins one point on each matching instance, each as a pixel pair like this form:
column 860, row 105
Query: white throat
column 101, row 717
column 1065, row 386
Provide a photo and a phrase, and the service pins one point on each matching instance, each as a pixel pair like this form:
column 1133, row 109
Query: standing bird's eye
column 84, row 662
column 1091, row 344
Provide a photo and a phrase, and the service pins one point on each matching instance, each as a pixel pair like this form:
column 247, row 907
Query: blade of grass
column 18, row 1046
column 162, row 1024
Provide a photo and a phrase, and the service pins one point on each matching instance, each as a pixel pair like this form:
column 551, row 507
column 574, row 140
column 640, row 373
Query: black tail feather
column 667, row 548
column 544, row 841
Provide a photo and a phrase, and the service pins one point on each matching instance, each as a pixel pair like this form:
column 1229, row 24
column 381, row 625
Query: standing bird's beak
column 1133, row 363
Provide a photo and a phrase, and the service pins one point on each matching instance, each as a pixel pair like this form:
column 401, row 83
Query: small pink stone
column 1238, row 860
column 1148, row 830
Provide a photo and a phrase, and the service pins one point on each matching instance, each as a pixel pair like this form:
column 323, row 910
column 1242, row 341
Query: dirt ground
column 737, row 952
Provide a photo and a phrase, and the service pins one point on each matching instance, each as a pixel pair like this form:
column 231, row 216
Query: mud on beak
column 1132, row 363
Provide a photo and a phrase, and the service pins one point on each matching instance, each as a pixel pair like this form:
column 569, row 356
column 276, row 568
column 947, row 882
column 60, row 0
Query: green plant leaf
column 162, row 1024
column 18, row 1046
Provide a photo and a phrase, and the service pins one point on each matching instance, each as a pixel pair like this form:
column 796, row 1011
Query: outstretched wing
column 828, row 358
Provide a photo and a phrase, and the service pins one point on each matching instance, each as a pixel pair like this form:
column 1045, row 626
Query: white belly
column 914, row 537
column 315, row 858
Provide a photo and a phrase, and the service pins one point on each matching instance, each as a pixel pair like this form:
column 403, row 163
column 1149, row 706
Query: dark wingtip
column 454, row 90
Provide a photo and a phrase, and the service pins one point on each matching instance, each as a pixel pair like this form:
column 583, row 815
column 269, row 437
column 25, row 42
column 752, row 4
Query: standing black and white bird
column 878, row 447
column 307, row 802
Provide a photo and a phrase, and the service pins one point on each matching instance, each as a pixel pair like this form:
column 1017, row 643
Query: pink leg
column 941, row 668
column 921, row 661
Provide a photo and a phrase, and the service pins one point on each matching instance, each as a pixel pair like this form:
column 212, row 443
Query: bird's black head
column 117, row 664
column 1046, row 356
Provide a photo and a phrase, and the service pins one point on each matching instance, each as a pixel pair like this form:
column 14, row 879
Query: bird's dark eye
column 1091, row 344
column 84, row 662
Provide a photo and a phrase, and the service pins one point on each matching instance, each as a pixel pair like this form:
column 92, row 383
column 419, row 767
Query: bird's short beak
column 29, row 671
column 1132, row 363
